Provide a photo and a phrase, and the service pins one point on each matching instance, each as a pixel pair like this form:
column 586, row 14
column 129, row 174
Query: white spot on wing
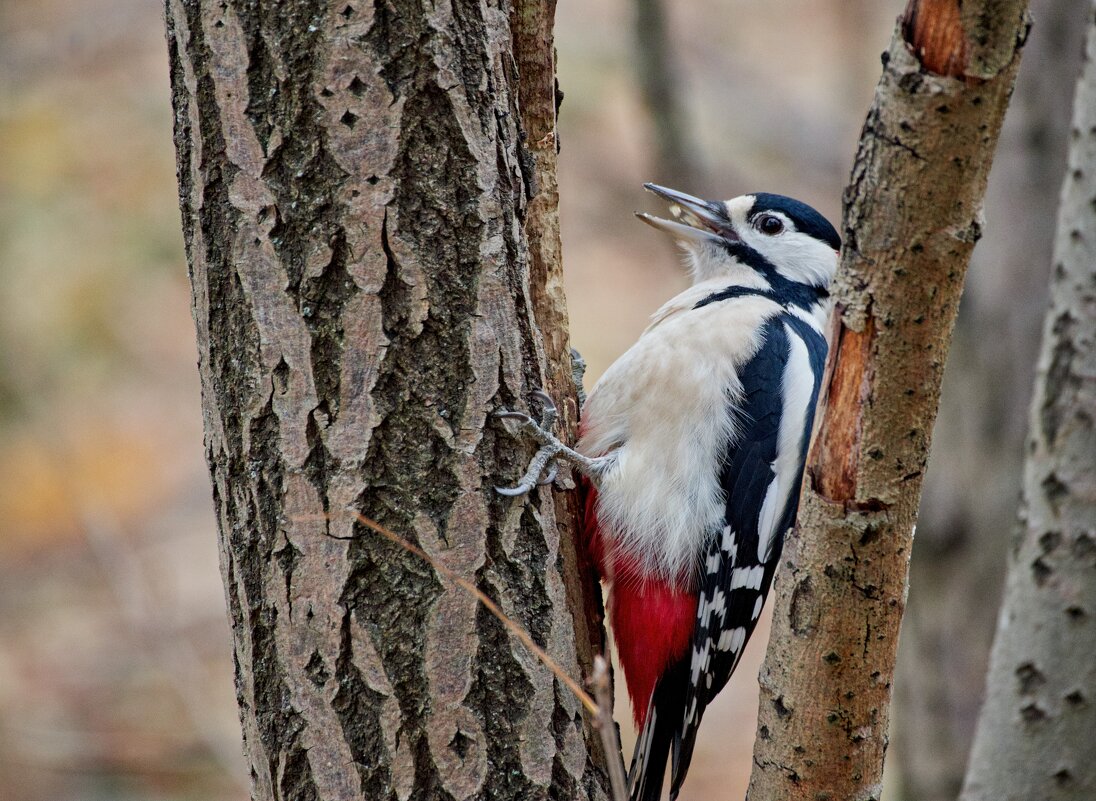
column 732, row 639
column 700, row 657
column 748, row 577
column 718, row 603
column 757, row 607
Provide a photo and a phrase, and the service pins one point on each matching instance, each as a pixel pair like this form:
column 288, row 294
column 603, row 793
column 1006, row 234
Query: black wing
column 735, row 577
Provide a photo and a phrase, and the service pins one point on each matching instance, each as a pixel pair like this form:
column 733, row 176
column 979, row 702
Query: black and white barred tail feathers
column 661, row 734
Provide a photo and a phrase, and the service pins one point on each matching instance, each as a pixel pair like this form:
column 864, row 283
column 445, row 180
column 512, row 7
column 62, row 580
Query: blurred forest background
column 115, row 671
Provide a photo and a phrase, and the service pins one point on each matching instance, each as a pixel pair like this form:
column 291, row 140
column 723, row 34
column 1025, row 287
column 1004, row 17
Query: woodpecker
column 693, row 445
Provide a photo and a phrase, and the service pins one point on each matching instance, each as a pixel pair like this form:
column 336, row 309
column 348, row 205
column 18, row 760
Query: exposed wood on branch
column 934, row 29
column 912, row 217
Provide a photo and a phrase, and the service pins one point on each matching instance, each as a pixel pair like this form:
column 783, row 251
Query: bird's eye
column 768, row 224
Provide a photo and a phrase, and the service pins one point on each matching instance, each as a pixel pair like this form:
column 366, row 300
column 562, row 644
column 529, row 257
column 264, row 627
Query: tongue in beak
column 696, row 220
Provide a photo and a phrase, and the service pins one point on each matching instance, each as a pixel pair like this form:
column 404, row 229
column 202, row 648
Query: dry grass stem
column 607, row 727
column 493, row 608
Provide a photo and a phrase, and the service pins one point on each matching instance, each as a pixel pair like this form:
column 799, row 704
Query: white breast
column 663, row 408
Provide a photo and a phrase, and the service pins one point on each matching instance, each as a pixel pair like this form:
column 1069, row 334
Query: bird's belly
column 663, row 499
column 664, row 410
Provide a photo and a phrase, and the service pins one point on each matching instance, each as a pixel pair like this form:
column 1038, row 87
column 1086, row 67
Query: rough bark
column 539, row 98
column 372, row 247
column 1034, row 736
column 968, row 501
column 912, row 217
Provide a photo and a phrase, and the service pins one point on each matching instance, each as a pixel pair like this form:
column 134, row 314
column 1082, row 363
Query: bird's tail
column 661, row 732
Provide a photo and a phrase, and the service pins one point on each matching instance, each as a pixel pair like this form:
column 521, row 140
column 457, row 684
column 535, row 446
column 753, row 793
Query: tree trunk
column 368, row 200
column 912, row 216
column 968, row 502
column 675, row 154
column 1034, row 736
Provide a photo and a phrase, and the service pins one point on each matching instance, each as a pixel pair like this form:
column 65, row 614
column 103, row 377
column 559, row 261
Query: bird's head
column 774, row 236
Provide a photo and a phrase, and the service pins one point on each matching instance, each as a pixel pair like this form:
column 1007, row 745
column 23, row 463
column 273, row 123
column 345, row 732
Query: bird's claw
column 513, row 492
column 506, row 414
column 532, row 477
column 553, row 471
column 549, row 411
column 541, row 432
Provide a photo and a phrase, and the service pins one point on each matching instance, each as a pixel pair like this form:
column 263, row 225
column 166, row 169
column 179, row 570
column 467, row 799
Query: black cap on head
column 805, row 218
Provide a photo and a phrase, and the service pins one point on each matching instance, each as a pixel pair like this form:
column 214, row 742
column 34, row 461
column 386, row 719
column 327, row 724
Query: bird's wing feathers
column 736, row 577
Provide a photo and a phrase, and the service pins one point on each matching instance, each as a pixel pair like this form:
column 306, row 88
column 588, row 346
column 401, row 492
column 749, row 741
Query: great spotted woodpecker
column 693, row 445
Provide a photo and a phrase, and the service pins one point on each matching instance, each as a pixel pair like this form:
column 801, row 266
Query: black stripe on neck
column 783, row 290
column 732, row 292
column 802, row 300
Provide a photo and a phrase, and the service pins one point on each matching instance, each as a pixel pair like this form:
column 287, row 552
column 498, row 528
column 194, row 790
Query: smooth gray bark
column 968, row 504
column 1035, row 734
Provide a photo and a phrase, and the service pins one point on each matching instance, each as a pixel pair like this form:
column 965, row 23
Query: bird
column 692, row 447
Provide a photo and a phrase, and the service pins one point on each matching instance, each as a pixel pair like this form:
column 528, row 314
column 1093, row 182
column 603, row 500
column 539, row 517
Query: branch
column 912, row 217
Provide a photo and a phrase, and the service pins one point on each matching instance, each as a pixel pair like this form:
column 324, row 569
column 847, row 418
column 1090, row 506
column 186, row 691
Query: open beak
column 695, row 220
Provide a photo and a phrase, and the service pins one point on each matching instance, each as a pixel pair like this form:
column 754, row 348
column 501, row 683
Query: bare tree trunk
column 674, row 145
column 912, row 217
column 368, row 200
column 968, row 503
column 1035, row 733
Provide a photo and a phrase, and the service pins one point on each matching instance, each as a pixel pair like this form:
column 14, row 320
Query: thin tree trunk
column 1034, row 737
column 675, row 152
column 368, row 200
column 968, row 504
column 912, row 217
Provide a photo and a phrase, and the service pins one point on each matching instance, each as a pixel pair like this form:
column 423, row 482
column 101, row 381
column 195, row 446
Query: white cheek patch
column 796, row 256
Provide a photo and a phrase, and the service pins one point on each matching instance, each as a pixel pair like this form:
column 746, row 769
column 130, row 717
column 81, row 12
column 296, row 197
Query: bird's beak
column 696, row 220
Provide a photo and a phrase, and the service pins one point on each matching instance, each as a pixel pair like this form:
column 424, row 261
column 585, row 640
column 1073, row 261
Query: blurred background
column 115, row 661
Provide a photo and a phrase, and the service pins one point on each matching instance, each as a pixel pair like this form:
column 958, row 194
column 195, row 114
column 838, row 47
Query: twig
column 607, row 727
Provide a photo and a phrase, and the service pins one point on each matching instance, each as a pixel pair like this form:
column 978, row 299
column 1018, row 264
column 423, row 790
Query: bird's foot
column 550, row 450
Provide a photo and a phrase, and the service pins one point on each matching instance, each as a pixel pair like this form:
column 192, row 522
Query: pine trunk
column 912, row 217
column 1035, row 733
column 368, row 201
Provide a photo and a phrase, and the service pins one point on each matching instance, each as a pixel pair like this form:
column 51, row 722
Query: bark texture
column 968, row 504
column 371, row 235
column 912, row 217
column 1034, row 736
